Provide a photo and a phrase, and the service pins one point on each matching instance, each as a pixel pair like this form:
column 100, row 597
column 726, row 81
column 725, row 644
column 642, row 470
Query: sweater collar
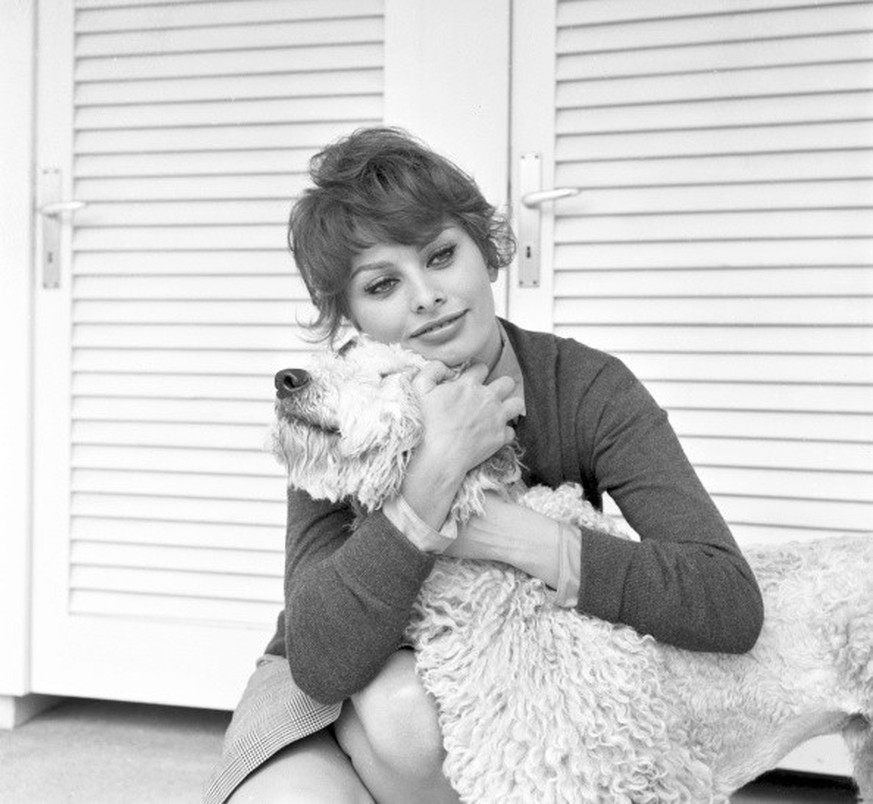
column 508, row 366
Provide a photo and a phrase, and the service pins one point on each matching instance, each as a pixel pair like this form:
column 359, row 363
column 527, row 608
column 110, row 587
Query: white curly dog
column 542, row 704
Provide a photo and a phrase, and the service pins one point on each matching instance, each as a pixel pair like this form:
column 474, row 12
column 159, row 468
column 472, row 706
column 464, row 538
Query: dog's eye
column 385, row 373
column 347, row 347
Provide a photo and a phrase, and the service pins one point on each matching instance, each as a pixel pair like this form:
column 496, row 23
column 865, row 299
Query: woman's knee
column 399, row 720
column 312, row 771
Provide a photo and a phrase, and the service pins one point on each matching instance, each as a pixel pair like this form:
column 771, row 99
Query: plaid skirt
column 272, row 713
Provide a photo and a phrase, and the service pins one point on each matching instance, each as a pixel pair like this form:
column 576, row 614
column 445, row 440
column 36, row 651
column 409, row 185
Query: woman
column 398, row 242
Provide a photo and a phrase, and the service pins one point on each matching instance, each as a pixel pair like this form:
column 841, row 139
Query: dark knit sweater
column 348, row 595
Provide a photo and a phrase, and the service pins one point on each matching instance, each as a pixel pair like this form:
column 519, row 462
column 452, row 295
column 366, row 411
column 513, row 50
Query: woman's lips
column 441, row 329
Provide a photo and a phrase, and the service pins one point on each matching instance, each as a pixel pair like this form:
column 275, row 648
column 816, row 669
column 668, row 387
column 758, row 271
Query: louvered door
column 186, row 128
column 722, row 241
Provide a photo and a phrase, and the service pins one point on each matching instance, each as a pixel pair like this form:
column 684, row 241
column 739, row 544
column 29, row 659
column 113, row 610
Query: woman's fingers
column 430, row 376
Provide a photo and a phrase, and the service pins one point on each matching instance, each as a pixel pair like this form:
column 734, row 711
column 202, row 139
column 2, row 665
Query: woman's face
column 435, row 299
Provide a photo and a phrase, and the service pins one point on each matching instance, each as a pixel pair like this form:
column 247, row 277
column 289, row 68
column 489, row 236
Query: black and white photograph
column 436, row 401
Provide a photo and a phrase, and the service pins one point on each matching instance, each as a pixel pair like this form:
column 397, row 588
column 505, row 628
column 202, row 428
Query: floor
column 102, row 752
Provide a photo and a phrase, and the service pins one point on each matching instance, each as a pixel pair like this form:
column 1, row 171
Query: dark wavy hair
column 382, row 185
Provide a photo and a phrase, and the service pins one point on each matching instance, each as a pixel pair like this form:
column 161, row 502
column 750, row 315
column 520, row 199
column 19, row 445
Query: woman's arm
column 686, row 583
column 349, row 594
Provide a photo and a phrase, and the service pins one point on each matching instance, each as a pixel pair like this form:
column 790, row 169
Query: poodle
column 539, row 703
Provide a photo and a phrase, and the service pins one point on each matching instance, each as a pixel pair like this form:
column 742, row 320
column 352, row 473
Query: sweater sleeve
column 348, row 595
column 686, row 582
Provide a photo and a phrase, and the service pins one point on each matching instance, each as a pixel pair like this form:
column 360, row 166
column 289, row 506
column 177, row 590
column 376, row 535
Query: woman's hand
column 516, row 535
column 465, row 422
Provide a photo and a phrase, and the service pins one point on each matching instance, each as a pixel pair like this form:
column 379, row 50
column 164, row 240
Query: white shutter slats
column 192, row 609
column 194, row 188
column 762, row 367
column 764, row 253
column 176, row 583
column 846, row 194
column 722, row 244
column 179, row 361
column 260, row 261
column 115, row 15
column 803, row 281
column 213, row 536
column 223, row 88
column 761, row 224
column 711, row 311
column 156, row 40
column 801, row 397
column 596, row 12
column 839, row 516
column 231, row 112
column 247, row 286
column 178, row 458
column 763, row 424
column 237, row 562
column 176, row 238
column 830, row 48
column 179, row 484
column 180, row 312
column 178, row 509
column 760, row 82
column 254, row 336
column 191, row 140
column 168, row 434
column 201, row 163
column 771, row 110
column 199, row 387
column 799, row 484
column 748, row 340
column 720, row 169
column 774, row 453
column 172, row 410
column 854, row 135
column 337, row 56
column 751, row 21
column 194, row 127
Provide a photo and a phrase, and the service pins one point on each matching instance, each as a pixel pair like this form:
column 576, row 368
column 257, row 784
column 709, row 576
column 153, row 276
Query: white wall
column 16, row 158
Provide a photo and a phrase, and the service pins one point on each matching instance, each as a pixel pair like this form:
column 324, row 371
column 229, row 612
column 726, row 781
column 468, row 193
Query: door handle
column 532, row 198
column 540, row 197
column 60, row 207
column 52, row 210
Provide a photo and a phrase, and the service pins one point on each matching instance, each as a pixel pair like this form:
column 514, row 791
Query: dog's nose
column 290, row 380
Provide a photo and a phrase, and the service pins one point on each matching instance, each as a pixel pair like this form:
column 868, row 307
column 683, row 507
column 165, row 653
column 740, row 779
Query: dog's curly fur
column 543, row 704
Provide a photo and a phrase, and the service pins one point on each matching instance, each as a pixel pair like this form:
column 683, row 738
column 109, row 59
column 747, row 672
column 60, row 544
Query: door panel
column 159, row 522
column 187, row 129
column 721, row 243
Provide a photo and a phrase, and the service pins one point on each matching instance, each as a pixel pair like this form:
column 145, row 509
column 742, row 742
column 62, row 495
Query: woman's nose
column 289, row 381
column 427, row 294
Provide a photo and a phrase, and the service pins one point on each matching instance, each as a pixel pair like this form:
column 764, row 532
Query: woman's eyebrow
column 378, row 265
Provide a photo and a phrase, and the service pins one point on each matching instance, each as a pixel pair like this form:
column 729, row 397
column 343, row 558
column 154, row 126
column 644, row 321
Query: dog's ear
column 386, row 418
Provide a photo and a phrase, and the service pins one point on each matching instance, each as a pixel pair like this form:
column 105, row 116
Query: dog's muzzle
column 289, row 381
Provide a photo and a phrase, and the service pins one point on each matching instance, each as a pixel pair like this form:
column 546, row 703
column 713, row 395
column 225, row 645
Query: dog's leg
column 859, row 739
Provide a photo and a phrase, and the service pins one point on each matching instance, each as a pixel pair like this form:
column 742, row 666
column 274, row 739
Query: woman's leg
column 311, row 771
column 390, row 731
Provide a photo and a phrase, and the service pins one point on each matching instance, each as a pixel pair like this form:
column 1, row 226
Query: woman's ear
column 493, row 273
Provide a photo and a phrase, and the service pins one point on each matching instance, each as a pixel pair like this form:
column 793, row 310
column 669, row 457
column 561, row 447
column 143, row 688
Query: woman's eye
column 442, row 255
column 380, row 287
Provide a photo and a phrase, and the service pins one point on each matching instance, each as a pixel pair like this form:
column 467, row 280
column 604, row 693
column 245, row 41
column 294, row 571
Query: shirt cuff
column 569, row 566
column 400, row 514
